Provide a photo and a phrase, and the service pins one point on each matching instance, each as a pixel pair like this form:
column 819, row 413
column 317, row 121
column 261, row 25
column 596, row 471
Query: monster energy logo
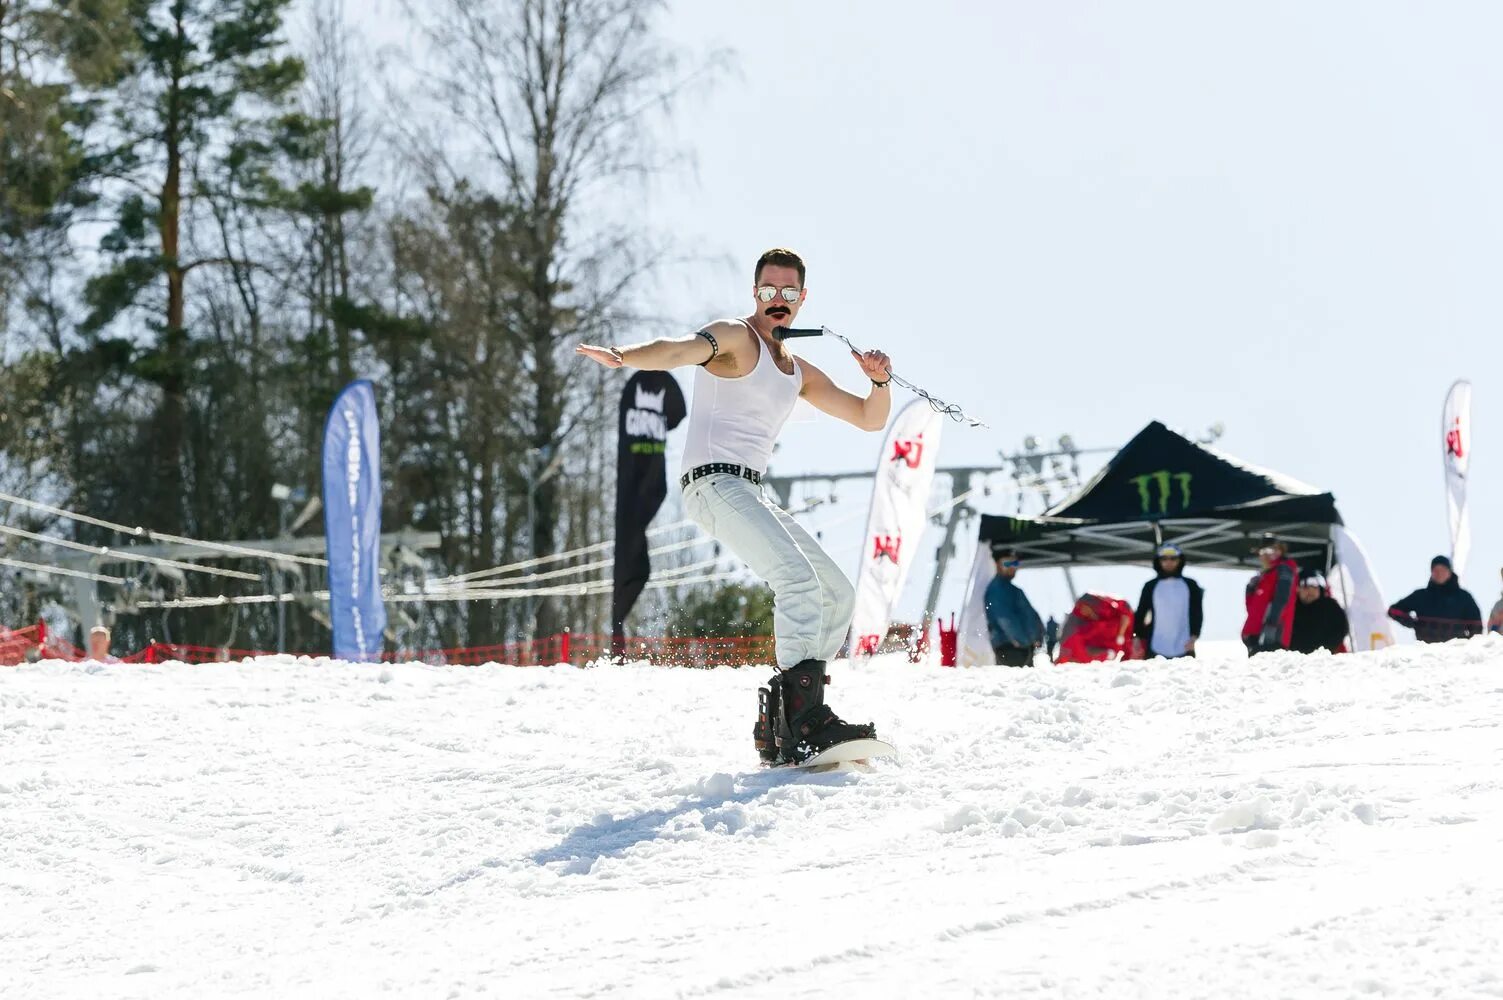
column 1163, row 479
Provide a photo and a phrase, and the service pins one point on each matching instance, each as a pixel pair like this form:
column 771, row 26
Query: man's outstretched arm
column 870, row 413
column 655, row 355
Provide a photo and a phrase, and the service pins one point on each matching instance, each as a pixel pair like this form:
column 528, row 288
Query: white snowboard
column 849, row 752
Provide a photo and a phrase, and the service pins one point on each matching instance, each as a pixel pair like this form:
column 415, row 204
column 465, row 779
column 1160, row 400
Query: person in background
column 1169, row 611
column 1495, row 620
column 1319, row 621
column 1441, row 610
column 1051, row 636
column 1270, row 599
column 1015, row 628
column 99, row 645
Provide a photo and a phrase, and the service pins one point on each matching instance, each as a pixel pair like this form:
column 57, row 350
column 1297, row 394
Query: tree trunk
column 172, row 410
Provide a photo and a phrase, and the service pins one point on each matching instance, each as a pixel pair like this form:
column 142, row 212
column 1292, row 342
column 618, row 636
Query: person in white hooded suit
column 1170, row 609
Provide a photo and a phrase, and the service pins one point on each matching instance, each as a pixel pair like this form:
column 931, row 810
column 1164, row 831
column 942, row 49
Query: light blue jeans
column 813, row 600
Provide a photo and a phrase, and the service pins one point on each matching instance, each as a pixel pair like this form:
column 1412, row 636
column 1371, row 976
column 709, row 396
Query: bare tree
column 560, row 98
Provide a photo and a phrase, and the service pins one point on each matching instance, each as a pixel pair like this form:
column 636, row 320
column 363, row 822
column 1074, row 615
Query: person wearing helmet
column 1319, row 621
column 1169, row 611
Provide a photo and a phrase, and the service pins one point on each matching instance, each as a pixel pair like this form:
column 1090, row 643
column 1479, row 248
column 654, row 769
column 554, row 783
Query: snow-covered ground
column 1279, row 827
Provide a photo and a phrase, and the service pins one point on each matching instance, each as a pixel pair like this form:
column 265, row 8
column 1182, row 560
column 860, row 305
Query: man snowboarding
column 744, row 391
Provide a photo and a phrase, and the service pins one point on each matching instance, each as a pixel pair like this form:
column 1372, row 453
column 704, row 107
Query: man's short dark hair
column 780, row 257
column 1003, row 552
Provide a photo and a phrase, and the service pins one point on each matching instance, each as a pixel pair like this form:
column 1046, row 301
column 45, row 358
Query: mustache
column 776, row 311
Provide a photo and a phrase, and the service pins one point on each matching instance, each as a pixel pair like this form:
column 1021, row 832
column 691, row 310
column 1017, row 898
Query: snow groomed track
column 1285, row 826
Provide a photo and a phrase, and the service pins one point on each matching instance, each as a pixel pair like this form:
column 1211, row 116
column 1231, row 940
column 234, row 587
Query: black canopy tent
column 1163, row 487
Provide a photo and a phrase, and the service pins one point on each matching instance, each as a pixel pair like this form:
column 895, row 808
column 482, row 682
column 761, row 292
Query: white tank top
column 738, row 419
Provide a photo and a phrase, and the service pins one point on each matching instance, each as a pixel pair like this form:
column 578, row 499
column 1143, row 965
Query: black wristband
column 882, row 385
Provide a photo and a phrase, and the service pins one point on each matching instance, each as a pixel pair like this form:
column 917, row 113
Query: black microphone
column 784, row 332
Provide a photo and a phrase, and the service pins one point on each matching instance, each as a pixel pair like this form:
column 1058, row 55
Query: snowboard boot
column 806, row 725
column 765, row 732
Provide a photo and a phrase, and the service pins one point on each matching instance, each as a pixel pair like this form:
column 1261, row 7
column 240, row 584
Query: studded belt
column 720, row 468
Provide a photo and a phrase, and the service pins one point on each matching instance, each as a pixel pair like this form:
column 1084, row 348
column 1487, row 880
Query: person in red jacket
column 1271, row 599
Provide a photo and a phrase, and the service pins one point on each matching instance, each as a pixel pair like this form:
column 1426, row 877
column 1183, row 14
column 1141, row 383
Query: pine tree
column 204, row 110
column 47, row 52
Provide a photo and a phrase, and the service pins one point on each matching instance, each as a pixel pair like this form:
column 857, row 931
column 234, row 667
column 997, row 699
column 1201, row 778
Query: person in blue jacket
column 1015, row 628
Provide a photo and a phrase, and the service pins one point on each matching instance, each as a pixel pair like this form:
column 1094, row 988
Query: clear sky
column 1082, row 217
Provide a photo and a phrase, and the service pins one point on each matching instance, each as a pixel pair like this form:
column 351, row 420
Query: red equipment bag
column 1098, row 628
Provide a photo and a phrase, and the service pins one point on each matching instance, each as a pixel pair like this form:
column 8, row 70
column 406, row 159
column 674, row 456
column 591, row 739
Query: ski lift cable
column 476, row 594
column 699, row 539
column 571, row 553
column 676, row 571
column 485, row 574
column 666, row 578
column 567, row 570
column 223, row 600
column 494, row 591
column 219, row 601
column 498, row 570
column 558, row 556
column 160, row 536
column 59, row 571
column 587, row 589
column 595, row 586
column 124, row 554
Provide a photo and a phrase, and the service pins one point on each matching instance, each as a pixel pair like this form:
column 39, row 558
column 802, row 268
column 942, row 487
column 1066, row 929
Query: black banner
column 651, row 406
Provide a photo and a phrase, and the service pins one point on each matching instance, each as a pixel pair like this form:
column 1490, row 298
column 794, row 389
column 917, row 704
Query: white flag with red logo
column 900, row 496
column 1456, row 427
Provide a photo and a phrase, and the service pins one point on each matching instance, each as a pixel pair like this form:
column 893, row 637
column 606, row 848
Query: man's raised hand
column 876, row 365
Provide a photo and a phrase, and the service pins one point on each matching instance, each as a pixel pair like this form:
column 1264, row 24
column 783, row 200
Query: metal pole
column 529, row 621
column 281, row 581
column 943, row 557
column 85, row 596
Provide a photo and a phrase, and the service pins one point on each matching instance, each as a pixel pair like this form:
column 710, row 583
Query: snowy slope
column 1232, row 828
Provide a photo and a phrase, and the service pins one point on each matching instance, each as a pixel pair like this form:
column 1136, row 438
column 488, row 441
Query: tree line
column 214, row 214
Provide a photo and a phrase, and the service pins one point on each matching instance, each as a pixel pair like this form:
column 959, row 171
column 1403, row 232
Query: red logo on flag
column 1454, row 444
column 887, row 546
column 910, row 452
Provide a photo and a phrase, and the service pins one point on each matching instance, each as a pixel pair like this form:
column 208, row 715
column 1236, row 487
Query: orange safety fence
column 163, row 652
column 566, row 647
column 34, row 642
